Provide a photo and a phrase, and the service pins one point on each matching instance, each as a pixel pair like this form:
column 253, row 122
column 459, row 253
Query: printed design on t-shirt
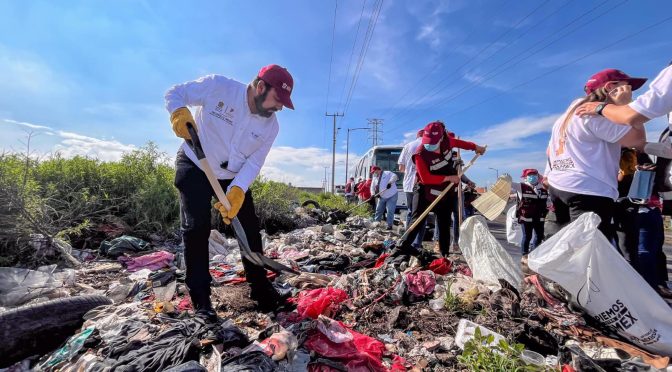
column 223, row 112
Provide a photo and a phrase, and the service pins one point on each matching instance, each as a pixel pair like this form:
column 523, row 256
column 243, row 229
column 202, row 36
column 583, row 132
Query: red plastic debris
column 324, row 301
column 440, row 266
column 381, row 260
column 363, row 353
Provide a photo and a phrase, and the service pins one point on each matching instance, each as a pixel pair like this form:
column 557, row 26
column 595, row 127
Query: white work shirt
column 657, row 101
column 228, row 131
column 588, row 164
column 386, row 177
column 406, row 159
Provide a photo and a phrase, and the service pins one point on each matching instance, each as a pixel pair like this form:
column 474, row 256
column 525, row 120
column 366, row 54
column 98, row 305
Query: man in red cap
column 531, row 209
column 436, row 169
column 236, row 124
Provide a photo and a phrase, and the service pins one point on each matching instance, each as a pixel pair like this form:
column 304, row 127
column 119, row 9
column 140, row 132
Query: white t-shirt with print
column 657, row 101
column 588, row 162
column 406, row 159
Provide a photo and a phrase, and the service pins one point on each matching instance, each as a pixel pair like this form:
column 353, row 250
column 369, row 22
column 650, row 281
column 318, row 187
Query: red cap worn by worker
column 433, row 133
column 375, row 168
column 600, row 79
column 527, row 172
column 279, row 78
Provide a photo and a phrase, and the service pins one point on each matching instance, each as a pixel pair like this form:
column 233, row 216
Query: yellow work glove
column 179, row 118
column 235, row 196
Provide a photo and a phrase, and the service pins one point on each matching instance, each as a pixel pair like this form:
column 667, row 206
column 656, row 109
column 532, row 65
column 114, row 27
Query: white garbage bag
column 514, row 232
column 598, row 278
column 488, row 260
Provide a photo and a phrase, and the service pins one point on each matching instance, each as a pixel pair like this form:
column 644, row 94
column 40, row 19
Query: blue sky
column 88, row 77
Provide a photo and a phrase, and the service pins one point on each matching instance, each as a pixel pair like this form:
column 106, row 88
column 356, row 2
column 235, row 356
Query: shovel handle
column 195, row 144
column 437, row 200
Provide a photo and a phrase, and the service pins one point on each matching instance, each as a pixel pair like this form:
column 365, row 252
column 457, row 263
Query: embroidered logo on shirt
column 223, row 112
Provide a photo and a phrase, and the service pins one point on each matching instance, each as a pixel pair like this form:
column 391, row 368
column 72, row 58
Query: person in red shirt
column 364, row 193
column 436, row 169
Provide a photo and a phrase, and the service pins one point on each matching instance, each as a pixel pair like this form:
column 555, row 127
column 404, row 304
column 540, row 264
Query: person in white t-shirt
column 583, row 152
column 407, row 166
column 384, row 185
column 236, row 125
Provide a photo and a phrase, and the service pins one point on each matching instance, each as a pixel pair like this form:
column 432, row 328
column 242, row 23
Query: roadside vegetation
column 81, row 201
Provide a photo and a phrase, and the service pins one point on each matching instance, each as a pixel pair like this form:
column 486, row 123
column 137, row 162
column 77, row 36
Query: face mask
column 430, row 147
column 533, row 179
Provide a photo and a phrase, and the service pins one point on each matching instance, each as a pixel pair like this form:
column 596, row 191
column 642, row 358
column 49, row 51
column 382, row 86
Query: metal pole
column 333, row 152
column 460, row 195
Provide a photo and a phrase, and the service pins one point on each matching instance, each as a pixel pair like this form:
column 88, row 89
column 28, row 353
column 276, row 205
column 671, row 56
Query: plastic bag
column 334, row 330
column 514, row 232
column 487, row 259
column 323, row 301
column 70, row 349
column 440, row 266
column 363, row 353
column 280, row 345
column 582, row 261
column 18, row 286
column 466, row 330
column 122, row 245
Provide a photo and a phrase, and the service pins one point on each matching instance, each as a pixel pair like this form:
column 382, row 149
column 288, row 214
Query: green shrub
column 274, row 203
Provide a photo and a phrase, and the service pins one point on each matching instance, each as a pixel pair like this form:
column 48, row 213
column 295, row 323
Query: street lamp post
column 347, row 150
column 496, row 170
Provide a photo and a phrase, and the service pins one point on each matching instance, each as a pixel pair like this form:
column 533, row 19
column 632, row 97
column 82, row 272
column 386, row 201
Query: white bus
column 386, row 158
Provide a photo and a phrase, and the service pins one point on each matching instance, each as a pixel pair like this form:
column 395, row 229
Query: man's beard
column 258, row 101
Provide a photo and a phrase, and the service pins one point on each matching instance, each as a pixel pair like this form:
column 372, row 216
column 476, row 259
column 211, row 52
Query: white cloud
column 305, row 166
column 512, row 134
column 477, row 78
column 430, row 34
column 71, row 144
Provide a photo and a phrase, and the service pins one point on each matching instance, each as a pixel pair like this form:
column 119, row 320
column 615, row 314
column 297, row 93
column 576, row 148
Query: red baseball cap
column 279, row 78
column 600, row 79
column 527, row 172
column 375, row 168
column 433, row 133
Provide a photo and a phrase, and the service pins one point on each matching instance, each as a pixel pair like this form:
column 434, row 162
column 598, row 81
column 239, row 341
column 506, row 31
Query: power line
column 352, row 53
column 375, row 13
column 441, row 83
column 483, row 79
column 563, row 66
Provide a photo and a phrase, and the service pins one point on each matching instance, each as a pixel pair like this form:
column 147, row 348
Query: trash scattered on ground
column 356, row 309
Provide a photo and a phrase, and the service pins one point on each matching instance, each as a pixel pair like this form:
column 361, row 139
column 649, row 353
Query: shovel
column 363, row 202
column 256, row 258
column 436, row 201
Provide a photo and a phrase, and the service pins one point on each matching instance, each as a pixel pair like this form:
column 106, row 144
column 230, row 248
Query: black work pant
column 528, row 227
column 569, row 206
column 443, row 212
column 195, row 213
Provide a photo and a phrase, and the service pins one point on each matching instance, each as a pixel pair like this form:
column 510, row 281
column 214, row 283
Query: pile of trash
column 358, row 308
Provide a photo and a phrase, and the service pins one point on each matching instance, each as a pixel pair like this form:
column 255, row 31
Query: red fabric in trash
column 185, row 304
column 398, row 364
column 440, row 266
column 363, row 353
column 381, row 260
column 269, row 274
column 464, row 270
column 421, row 283
column 324, row 301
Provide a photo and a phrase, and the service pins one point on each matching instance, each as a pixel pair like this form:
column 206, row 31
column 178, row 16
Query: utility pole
column 375, row 132
column 333, row 151
column 347, row 150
